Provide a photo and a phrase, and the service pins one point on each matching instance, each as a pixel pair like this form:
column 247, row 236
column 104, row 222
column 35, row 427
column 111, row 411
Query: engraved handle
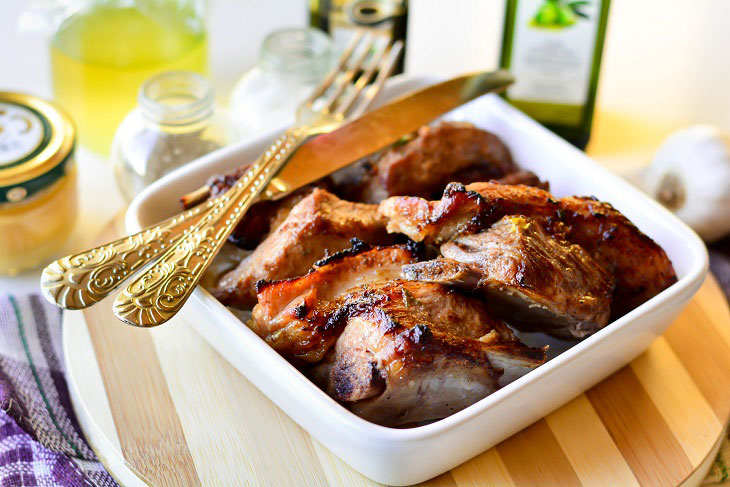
column 80, row 280
column 158, row 294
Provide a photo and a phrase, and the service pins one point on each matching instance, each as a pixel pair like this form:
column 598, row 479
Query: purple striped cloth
column 41, row 444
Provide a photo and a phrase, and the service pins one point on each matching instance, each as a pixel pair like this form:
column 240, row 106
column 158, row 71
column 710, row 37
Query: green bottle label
column 552, row 51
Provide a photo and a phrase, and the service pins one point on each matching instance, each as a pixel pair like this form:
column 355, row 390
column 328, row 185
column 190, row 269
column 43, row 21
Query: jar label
column 21, row 132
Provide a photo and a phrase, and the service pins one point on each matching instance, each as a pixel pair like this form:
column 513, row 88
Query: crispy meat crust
column 318, row 225
column 641, row 268
column 528, row 178
column 533, row 280
column 417, row 352
column 264, row 216
column 423, row 166
column 302, row 317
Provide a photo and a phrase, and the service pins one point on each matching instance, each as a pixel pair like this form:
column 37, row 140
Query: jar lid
column 36, row 141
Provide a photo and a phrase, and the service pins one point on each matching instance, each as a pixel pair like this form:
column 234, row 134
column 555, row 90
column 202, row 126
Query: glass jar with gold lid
column 37, row 181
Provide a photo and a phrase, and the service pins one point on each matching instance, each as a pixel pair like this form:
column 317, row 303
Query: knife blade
column 380, row 128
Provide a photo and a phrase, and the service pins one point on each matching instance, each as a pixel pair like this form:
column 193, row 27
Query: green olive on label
column 547, row 15
column 565, row 16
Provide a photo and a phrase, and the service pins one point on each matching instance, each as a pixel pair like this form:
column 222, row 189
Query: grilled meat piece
column 417, row 352
column 319, row 224
column 528, row 178
column 535, row 281
column 220, row 183
column 301, row 317
column 263, row 217
column 641, row 268
column 405, row 351
column 445, row 271
column 423, row 166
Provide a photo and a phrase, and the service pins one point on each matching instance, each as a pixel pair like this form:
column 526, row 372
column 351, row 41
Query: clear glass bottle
column 103, row 50
column 175, row 122
column 291, row 63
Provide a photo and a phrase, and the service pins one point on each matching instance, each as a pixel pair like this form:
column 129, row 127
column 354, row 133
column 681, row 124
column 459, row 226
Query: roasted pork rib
column 533, row 280
column 319, row 224
column 528, row 178
column 419, row 352
column 398, row 344
column 302, row 317
column 263, row 217
column 436, row 156
column 640, row 266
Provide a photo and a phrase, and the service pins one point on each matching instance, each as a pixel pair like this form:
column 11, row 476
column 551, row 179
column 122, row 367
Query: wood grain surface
column 161, row 407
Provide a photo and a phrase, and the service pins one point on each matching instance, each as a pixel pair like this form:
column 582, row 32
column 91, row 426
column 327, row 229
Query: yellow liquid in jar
column 35, row 230
column 100, row 58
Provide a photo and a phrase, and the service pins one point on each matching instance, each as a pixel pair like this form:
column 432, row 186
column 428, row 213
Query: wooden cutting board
column 161, row 407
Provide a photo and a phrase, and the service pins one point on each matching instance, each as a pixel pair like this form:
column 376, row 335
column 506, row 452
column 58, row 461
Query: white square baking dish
column 406, row 456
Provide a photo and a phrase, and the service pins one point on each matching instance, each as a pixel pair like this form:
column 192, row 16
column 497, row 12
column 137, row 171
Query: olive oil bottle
column 553, row 48
column 339, row 18
column 101, row 55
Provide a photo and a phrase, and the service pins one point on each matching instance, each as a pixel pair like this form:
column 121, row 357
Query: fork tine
column 384, row 69
column 327, row 81
column 362, row 81
column 342, row 82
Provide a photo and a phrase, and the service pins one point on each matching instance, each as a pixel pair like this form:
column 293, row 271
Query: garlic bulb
column 690, row 175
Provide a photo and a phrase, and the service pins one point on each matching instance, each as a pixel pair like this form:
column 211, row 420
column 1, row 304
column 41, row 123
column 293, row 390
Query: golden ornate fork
column 185, row 244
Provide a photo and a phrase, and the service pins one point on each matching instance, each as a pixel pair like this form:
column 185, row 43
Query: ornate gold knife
column 297, row 159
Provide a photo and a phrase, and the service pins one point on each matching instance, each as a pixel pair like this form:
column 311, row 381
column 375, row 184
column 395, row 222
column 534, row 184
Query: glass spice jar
column 291, row 64
column 175, row 122
column 38, row 192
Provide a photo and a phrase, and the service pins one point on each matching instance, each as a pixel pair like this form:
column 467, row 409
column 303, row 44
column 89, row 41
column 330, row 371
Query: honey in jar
column 37, row 181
